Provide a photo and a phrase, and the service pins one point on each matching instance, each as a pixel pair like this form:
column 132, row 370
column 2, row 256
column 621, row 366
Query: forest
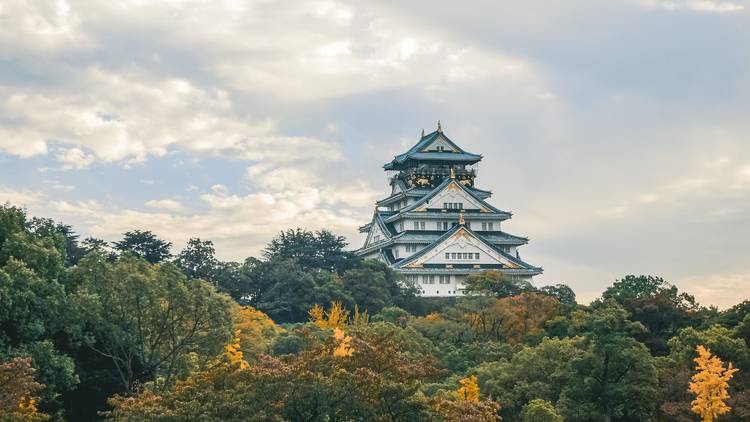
column 135, row 330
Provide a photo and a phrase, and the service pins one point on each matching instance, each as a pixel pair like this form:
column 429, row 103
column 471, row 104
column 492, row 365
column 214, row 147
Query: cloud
column 706, row 6
column 75, row 158
column 164, row 204
column 128, row 117
column 18, row 197
column 240, row 225
column 723, row 289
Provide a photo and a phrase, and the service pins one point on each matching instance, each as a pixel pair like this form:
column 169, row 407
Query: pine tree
column 710, row 385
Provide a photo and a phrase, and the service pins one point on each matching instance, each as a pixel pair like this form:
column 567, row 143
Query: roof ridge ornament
column 453, row 173
column 461, row 220
column 422, row 133
column 440, row 127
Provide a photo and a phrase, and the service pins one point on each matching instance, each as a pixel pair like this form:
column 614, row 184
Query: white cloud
column 165, row 204
column 75, row 158
column 18, row 197
column 128, row 117
column 706, row 6
column 239, row 225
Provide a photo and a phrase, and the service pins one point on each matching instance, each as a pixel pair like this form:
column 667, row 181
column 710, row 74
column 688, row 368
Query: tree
column 562, row 292
column 495, row 283
column 146, row 318
column 540, row 372
column 198, row 260
column 469, row 389
column 335, row 317
column 375, row 382
column 710, row 385
column 375, row 286
column 18, row 390
column 465, row 404
column 675, row 370
column 656, row 304
column 540, row 411
column 256, row 330
column 320, row 250
column 144, row 244
column 615, row 378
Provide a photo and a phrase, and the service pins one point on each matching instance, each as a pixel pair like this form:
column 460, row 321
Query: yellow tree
column 469, row 389
column 336, row 317
column 710, row 385
column 257, row 330
column 343, row 343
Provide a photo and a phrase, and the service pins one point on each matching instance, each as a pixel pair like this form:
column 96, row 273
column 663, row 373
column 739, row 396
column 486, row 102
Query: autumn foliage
column 710, row 385
column 18, row 390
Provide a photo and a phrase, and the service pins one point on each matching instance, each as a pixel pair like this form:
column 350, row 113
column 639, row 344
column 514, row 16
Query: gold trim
column 453, row 186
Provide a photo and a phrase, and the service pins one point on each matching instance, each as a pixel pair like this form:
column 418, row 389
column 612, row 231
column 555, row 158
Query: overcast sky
column 617, row 132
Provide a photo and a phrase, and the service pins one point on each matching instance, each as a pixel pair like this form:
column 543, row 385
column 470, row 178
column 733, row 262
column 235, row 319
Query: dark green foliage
column 374, row 286
column 562, row 292
column 657, row 305
column 615, row 377
column 321, row 250
column 198, row 260
column 144, row 244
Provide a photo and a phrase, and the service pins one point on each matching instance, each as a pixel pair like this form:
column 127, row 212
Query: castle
column 436, row 227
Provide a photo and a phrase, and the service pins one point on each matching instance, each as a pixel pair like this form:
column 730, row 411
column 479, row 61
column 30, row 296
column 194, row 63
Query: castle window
column 484, row 225
column 395, row 252
column 432, row 279
column 416, row 225
column 421, row 225
column 476, row 256
column 447, row 255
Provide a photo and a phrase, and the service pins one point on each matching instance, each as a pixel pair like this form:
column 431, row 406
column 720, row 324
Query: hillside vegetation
column 308, row 332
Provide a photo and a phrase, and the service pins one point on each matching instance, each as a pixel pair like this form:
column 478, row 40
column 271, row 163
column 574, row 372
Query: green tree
column 496, row 283
column 540, row 411
column 320, row 250
column 375, row 286
column 539, row 372
column 562, row 292
column 144, row 244
column 656, row 304
column 146, row 318
column 198, row 260
column 615, row 378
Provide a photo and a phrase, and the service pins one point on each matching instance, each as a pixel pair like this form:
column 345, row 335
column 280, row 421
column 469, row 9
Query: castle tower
column 436, row 226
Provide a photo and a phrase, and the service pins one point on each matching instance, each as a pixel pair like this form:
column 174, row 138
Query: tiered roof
column 419, row 152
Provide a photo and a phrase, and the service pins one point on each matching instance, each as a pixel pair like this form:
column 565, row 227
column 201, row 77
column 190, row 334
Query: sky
column 617, row 132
